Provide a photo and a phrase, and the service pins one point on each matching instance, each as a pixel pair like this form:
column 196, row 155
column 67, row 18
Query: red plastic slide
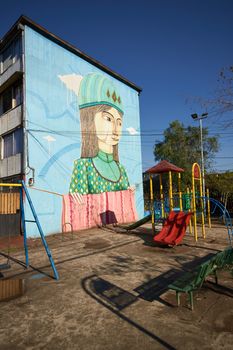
column 174, row 228
column 167, row 227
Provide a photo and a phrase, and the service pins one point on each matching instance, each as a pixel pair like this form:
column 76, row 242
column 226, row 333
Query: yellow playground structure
column 192, row 200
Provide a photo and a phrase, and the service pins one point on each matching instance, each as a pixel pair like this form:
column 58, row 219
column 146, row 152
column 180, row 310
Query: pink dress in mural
column 98, row 209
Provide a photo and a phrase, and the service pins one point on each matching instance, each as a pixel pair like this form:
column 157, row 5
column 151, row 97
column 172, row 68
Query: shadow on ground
column 116, row 299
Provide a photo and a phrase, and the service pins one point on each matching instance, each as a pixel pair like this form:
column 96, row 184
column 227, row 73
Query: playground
column 161, row 282
column 112, row 294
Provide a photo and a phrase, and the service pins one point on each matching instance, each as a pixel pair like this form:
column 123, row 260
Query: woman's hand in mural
column 132, row 188
column 77, row 199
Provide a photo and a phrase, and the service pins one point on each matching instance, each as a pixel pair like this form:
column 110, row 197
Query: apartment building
column 11, row 108
column 70, row 128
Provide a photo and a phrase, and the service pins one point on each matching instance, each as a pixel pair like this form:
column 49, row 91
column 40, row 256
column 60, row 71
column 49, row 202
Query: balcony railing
column 11, row 119
column 11, row 74
column 11, row 166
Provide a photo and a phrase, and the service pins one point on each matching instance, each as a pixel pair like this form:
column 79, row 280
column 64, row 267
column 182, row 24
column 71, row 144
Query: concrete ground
column 112, row 294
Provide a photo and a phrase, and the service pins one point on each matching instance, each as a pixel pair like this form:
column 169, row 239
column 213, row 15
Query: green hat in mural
column 96, row 89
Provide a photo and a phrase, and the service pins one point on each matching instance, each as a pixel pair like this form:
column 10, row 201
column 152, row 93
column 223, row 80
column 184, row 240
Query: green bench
column 192, row 281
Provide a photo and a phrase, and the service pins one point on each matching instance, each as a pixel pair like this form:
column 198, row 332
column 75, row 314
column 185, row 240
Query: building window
column 11, row 97
column 11, row 54
column 12, row 143
column 17, row 94
column 6, row 100
column 8, row 145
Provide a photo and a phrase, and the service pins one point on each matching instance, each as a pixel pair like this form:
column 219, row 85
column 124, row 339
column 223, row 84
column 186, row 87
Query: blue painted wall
column 53, row 127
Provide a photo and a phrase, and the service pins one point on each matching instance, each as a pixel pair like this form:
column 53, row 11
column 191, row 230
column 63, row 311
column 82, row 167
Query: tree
column 181, row 146
column 221, row 103
column 221, row 187
column 224, row 93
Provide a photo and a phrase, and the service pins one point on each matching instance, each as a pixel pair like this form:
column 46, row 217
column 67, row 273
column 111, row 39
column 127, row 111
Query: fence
column 9, row 211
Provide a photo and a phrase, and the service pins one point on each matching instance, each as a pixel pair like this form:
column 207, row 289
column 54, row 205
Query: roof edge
column 24, row 20
column 164, row 167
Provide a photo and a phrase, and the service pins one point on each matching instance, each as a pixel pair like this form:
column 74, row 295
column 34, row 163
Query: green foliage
column 221, row 187
column 181, row 146
column 221, row 183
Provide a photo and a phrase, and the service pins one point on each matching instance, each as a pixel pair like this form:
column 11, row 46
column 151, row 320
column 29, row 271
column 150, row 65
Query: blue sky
column 174, row 50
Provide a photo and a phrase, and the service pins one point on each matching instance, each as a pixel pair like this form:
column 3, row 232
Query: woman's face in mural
column 108, row 125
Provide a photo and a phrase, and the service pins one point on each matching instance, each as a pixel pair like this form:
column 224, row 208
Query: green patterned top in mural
column 97, row 175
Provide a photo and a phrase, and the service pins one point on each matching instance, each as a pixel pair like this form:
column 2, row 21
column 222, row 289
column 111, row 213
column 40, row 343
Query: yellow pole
column 180, row 193
column 194, row 205
column 161, row 195
column 208, row 207
column 190, row 222
column 10, row 185
column 170, row 191
column 202, row 208
column 152, row 204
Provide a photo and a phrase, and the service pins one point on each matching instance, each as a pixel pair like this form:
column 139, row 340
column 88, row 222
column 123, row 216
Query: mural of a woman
column 101, row 111
column 98, row 177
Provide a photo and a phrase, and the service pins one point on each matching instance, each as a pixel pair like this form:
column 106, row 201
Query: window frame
column 13, row 88
column 15, row 48
column 17, row 143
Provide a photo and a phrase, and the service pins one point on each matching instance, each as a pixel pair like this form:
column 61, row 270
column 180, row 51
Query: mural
column 83, row 136
column 101, row 112
column 98, row 170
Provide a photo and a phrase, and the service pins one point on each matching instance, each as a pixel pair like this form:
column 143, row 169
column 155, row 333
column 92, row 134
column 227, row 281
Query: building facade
column 70, row 128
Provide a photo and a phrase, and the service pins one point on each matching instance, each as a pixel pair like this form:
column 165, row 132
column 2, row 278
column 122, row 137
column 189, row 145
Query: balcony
column 11, row 74
column 11, row 119
column 11, row 166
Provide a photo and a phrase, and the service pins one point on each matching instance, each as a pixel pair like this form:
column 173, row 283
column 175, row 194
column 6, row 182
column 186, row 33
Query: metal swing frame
column 23, row 189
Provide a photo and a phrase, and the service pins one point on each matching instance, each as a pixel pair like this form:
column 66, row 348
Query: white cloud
column 71, row 81
column 132, row 131
column 49, row 138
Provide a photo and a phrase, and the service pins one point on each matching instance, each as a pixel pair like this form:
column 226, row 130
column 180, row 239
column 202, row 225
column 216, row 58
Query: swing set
column 12, row 201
